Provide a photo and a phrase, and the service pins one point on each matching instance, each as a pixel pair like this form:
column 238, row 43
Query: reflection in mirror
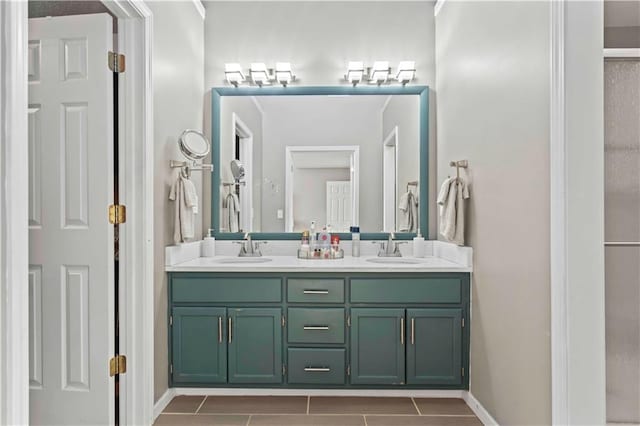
column 338, row 160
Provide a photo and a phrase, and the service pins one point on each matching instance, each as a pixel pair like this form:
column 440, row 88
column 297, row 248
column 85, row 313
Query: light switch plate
column 280, row 214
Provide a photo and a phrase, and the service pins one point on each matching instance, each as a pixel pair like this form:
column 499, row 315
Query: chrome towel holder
column 459, row 164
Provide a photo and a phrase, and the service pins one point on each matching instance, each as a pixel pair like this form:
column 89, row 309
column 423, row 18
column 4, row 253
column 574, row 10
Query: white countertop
column 293, row 264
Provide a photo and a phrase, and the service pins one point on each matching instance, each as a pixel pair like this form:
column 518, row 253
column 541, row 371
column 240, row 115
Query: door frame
column 243, row 131
column 135, row 38
column 389, row 146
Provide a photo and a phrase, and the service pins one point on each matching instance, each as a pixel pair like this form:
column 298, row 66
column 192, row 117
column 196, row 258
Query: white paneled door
column 71, row 274
column 339, row 205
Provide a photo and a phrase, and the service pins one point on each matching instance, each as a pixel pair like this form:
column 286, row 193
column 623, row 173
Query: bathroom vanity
column 292, row 323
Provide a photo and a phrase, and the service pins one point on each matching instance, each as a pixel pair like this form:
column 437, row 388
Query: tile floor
column 315, row 411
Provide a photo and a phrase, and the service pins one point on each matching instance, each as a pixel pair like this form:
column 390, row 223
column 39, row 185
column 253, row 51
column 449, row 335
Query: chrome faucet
column 248, row 248
column 391, row 248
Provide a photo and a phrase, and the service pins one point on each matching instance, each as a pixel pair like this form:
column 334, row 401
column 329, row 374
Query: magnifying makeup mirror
column 194, row 145
column 237, row 170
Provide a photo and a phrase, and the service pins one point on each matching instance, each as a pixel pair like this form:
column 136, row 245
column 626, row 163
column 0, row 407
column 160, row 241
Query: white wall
column 319, row 38
column 178, row 88
column 310, row 195
column 493, row 83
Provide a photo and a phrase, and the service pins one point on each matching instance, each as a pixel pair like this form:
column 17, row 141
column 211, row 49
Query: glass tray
column 330, row 255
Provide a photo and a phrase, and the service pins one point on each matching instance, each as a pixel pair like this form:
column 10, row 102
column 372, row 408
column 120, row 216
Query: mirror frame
column 216, row 97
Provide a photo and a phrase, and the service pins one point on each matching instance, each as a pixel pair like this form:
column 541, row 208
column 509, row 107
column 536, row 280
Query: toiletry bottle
column 418, row 245
column 304, row 247
column 312, row 236
column 335, row 246
column 355, row 241
column 324, row 242
column 209, row 245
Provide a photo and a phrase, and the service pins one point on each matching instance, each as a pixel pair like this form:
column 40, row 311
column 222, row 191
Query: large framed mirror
column 340, row 156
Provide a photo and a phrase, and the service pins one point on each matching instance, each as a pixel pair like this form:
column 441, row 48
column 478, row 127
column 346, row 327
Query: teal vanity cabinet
column 337, row 330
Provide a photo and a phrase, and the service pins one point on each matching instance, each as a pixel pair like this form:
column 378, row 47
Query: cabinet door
column 255, row 345
column 434, row 347
column 377, row 346
column 199, row 347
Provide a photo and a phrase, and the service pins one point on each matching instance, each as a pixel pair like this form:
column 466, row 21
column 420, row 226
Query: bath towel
column 452, row 196
column 232, row 204
column 183, row 193
column 408, row 217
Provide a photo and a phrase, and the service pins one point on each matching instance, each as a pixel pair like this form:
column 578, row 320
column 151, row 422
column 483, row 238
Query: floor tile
column 200, row 420
column 184, row 404
column 307, row 420
column 360, row 405
column 422, row 421
column 255, row 405
column 447, row 406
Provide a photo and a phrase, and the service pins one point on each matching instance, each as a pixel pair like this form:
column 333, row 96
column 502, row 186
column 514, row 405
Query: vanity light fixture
column 355, row 72
column 284, row 75
column 260, row 74
column 234, row 73
column 379, row 72
column 406, row 72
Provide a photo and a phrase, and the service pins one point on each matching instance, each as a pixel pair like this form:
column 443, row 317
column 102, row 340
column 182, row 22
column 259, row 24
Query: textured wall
column 493, row 84
column 178, row 88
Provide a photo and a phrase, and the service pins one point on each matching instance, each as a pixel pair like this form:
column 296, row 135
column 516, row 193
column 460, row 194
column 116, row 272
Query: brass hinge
column 348, row 320
column 116, row 62
column 284, row 370
column 117, row 214
column 462, row 322
column 284, row 321
column 117, row 365
column 349, row 370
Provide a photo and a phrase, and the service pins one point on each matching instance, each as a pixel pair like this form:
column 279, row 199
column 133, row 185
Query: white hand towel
column 453, row 193
column 233, row 208
column 408, row 217
column 185, row 197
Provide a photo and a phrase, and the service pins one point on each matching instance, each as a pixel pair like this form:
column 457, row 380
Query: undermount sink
column 243, row 260
column 395, row 260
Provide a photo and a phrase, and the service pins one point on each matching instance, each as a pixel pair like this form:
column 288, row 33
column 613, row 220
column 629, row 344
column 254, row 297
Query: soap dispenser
column 418, row 245
column 209, row 245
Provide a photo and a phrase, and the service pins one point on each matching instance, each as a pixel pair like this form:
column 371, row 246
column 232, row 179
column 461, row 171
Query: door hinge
column 284, row 321
column 349, row 370
column 171, row 320
column 116, row 62
column 117, row 365
column 284, row 369
column 348, row 320
column 117, row 214
column 462, row 322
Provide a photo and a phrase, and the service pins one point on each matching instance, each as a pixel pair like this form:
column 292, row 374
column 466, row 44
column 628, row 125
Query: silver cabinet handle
column 229, row 329
column 219, row 329
column 413, row 331
column 317, row 369
column 315, row 327
column 621, row 244
column 315, row 292
column 402, row 330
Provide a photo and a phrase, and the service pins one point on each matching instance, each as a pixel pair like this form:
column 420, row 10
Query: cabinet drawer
column 406, row 290
column 226, row 290
column 309, row 325
column 316, row 366
column 303, row 290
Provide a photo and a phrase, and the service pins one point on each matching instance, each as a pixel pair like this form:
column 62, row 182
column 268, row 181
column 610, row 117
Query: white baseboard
column 418, row 393
column 162, row 403
column 482, row 414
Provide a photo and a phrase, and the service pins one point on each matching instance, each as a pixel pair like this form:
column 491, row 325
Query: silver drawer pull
column 316, row 292
column 316, row 327
column 317, row 369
